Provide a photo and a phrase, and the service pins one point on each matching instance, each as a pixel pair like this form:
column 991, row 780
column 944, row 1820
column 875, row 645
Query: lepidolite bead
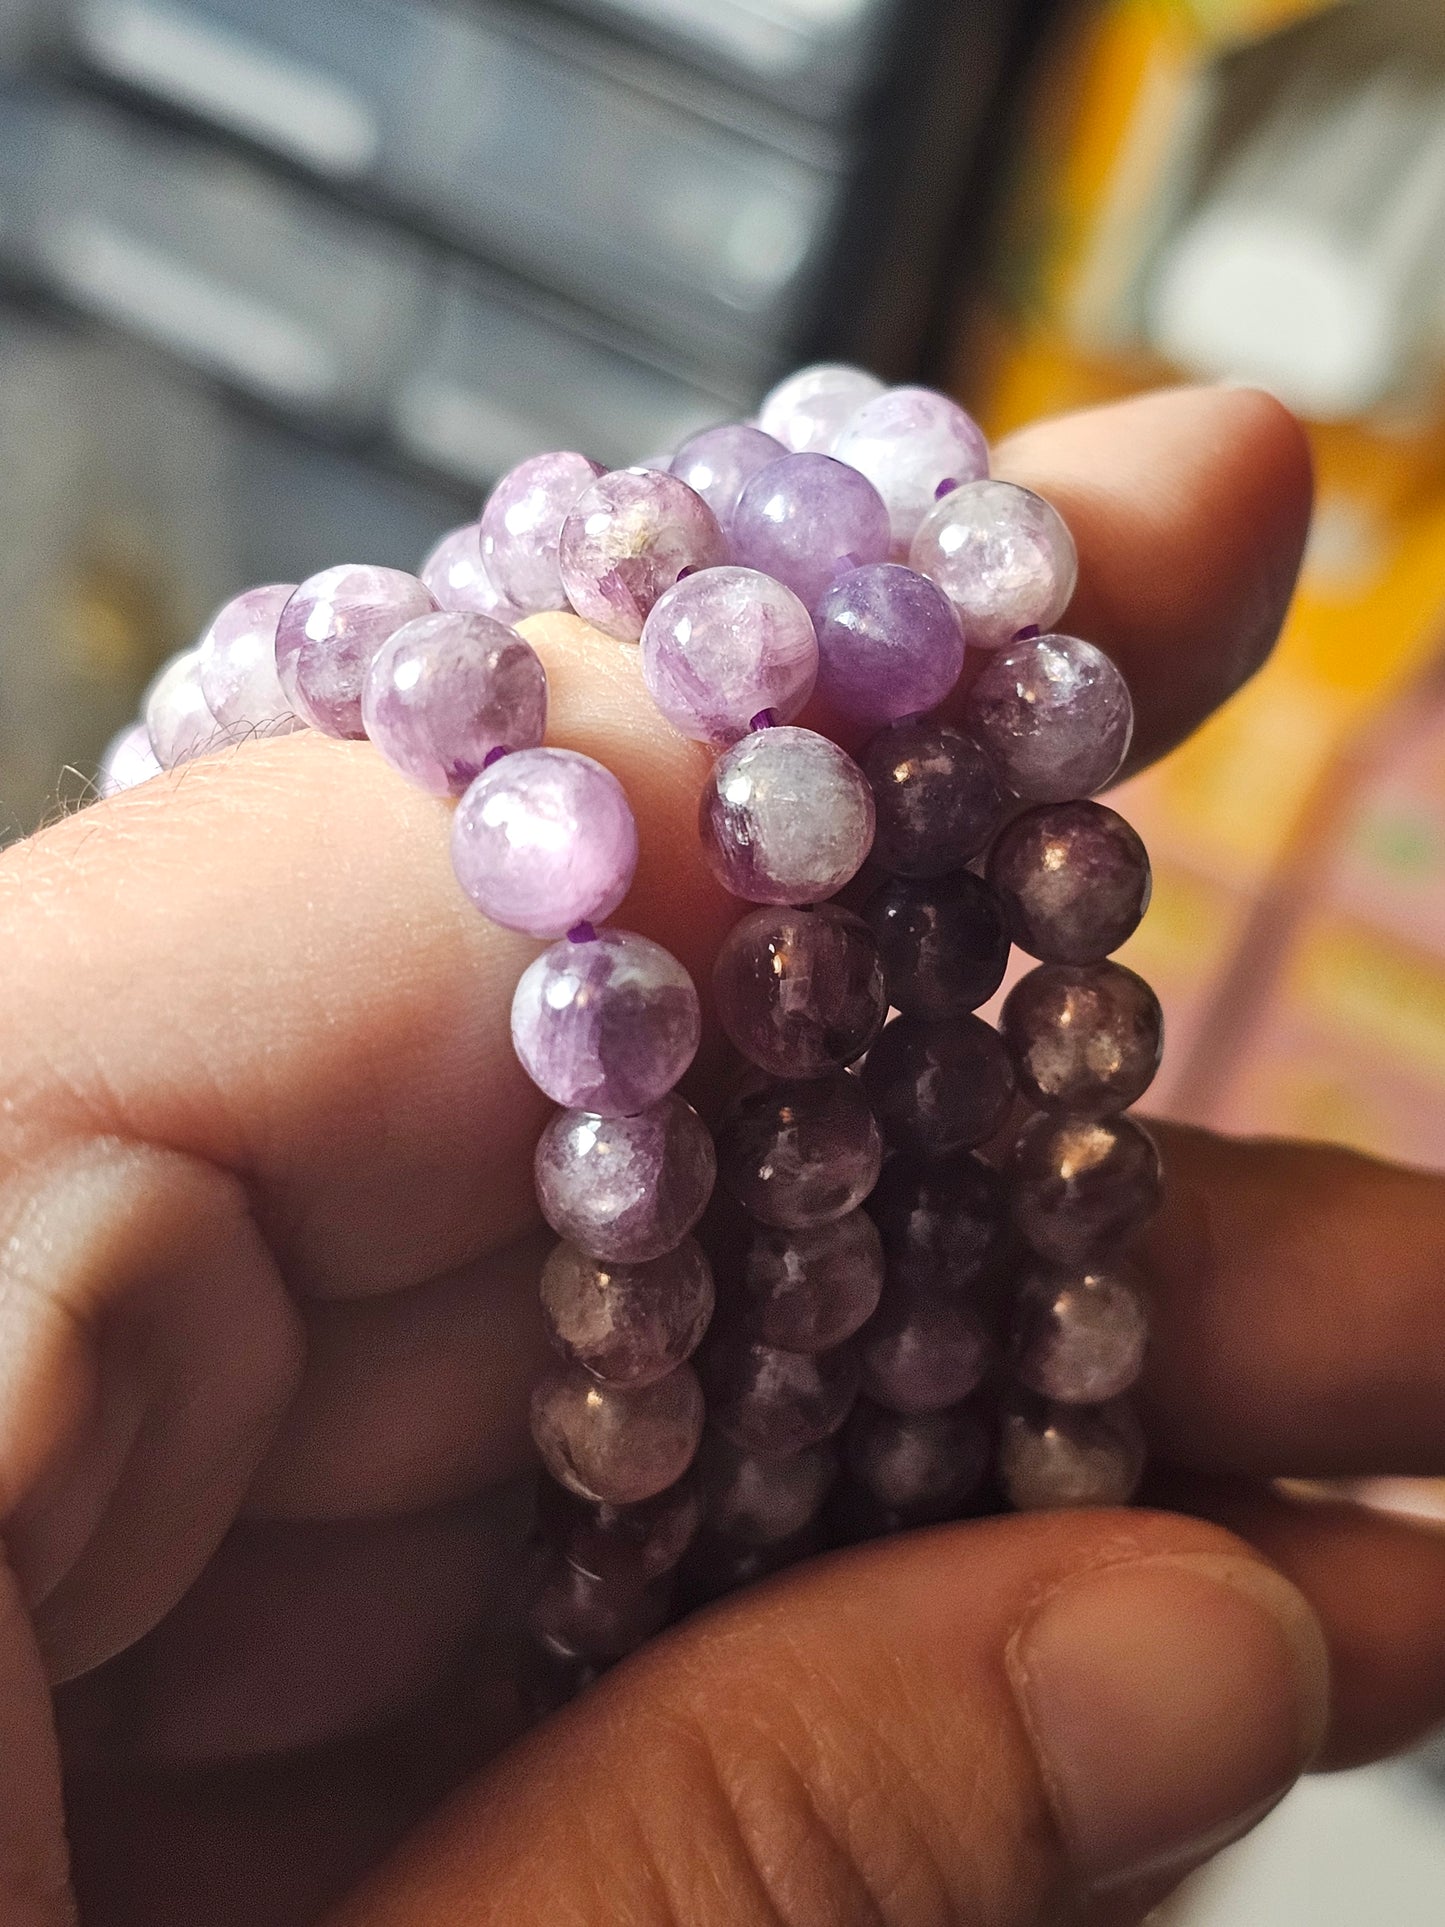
column 626, row 1189
column 1002, row 556
column 613, row 1446
column 937, row 796
column 719, row 462
column 939, row 1088
column 889, row 643
column 619, row 1544
column 1052, row 1456
column 785, row 817
column 577, row 1617
column 238, row 663
column 1081, row 1185
column 178, row 719
column 609, row 1025
column 128, row 760
column 627, row 1324
column 945, row 946
column 942, row 1225
column 457, row 578
column 1074, row 881
column 807, row 520
column 807, row 1291
column 924, row 1352
column 722, row 647
column 1055, row 716
column 329, row 633
column 922, row 1466
column 628, row 540
column 521, row 528
column 775, row 1403
column 545, row 840
column 1085, row 1038
column 916, row 447
column 796, row 1154
column 810, row 409
column 1078, row 1337
column 801, row 992
column 447, row 691
column 762, row 1501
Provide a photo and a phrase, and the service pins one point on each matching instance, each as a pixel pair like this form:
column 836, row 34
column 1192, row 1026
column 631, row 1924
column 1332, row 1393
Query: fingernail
column 1171, row 1703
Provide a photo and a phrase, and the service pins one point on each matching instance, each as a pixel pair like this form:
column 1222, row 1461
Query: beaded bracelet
column 878, row 1321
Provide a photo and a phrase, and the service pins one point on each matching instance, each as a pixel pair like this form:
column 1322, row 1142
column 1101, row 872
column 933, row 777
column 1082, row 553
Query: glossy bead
column 923, row 1353
column 446, row 692
column 1055, row 716
column 457, row 578
column 763, row 1501
column 923, row 1466
column 629, row 539
column 801, row 992
column 807, row 1291
column 128, row 760
column 939, row 1088
column 942, row 1225
column 621, row 1544
column 889, row 644
column 775, row 1403
column 810, row 409
column 329, row 633
column 521, row 528
column 785, row 817
column 1074, row 881
column 1078, row 1337
column 916, row 447
column 1002, row 556
column 613, row 1446
column 1052, row 1456
column 1085, row 1038
column 807, row 520
column 945, row 947
column 609, row 1025
column 178, row 721
column 545, row 840
column 796, row 1154
column 937, row 796
column 719, row 462
column 627, row 1324
column 724, row 646
column 1081, row 1185
column 577, row 1617
column 626, row 1189
column 238, row 664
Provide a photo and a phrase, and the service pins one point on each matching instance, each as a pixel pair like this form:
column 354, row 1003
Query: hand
column 267, row 1326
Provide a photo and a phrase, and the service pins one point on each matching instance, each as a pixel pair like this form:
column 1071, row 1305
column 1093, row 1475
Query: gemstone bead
column 614, row 1446
column 937, row 797
column 627, row 1324
column 945, row 947
column 626, row 1189
column 1078, row 1337
column 924, row 1465
column 807, row 1291
column 775, row 1403
column 716, row 1566
column 796, row 1154
column 178, row 721
column 722, row 647
column 807, row 520
column 939, row 1088
column 238, row 664
column 786, row 817
column 128, row 760
column 329, row 633
column 521, row 527
column 889, row 644
column 1085, row 1038
column 1002, row 556
column 719, row 462
column 457, row 578
column 810, row 409
column 609, row 1025
column 629, row 539
column 916, row 447
column 449, row 690
column 621, row 1544
column 1074, row 881
column 577, row 1617
column 763, row 1501
column 545, row 840
column 801, row 992
column 942, row 1225
column 924, row 1352
column 1069, row 1455
column 1080, row 1185
column 1055, row 716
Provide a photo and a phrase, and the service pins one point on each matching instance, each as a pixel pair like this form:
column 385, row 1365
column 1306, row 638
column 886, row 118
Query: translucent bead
column 627, row 1324
column 178, row 721
column 609, row 1025
column 329, row 633
column 942, row 1225
column 613, row 1446
column 522, row 527
column 545, row 840
column 889, row 644
column 945, row 947
column 446, row 692
column 786, row 817
column 763, row 1501
column 916, row 447
column 810, row 409
column 723, row 647
column 576, row 1617
column 775, row 1403
column 626, row 1189
column 1074, row 881
column 1055, row 716
column 807, row 520
column 1085, row 1038
column 620, row 1544
column 238, row 664
column 629, row 539
column 1080, row 1185
column 801, row 992
column 807, row 1291
column 1002, row 556
column 457, row 578
column 798, row 1154
column 1052, row 1456
column 1078, row 1337
column 923, row 1353
column 924, row 1466
column 128, row 760
column 939, row 1088
column 938, row 799
column 719, row 462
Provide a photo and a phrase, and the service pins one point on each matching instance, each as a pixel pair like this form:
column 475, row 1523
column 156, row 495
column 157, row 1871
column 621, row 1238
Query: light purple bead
column 1085, row 1038
column 1080, row 1185
column 924, row 1352
column 1078, row 1337
column 761, row 1501
column 889, row 644
column 628, row 1324
column 1052, row 1456
column 1002, row 555
column 629, row 539
column 720, row 461
column 238, row 664
column 922, row 1466
column 807, row 1291
column 448, row 690
column 722, row 647
column 915, row 446
column 128, row 760
column 937, row 796
column 178, row 719
column 786, row 817
column 1055, row 716
column 627, row 1189
column 1074, row 881
column 575, row 1617
column 806, row 520
column 798, row 1154
column 939, row 1088
column 809, row 410
column 775, row 1403
column 545, row 840
column 609, row 1025
column 458, row 581
column 521, row 527
column 801, row 992
column 329, row 633
column 618, row 1544
column 613, row 1446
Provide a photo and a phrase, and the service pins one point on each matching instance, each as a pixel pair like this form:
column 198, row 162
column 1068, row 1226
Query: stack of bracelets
column 902, row 1306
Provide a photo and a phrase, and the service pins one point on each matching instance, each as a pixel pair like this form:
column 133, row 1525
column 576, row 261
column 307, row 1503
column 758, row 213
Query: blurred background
column 285, row 284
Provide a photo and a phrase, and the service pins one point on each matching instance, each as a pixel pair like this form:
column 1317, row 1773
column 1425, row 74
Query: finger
column 34, row 1862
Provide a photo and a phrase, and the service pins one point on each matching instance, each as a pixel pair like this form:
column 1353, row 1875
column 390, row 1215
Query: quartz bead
column 806, row 520
column 724, row 646
column 238, row 664
column 942, row 1225
column 577, row 1617
column 1080, row 1185
column 627, row 1324
column 716, row 1567
column 939, row 1088
column 807, row 1291
column 521, row 528
column 922, row 1353
column 719, row 462
column 614, row 1446
column 457, row 579
column 786, row 817
column 1055, row 716
column 889, row 644
column 945, row 947
column 916, row 447
column 938, row 799
column 178, row 721
column 810, row 409
column 1070, row 1455
column 128, row 760
column 763, row 1501
column 774, row 1403
column 545, row 840
column 1074, row 881
column 629, row 539
column 796, row 1154
column 1085, row 1038
column 446, row 692
column 621, row 1544
column 923, row 1466
column 626, row 1189
column 1078, row 1337
column 1002, row 556
column 801, row 992
column 610, row 1025
column 330, row 631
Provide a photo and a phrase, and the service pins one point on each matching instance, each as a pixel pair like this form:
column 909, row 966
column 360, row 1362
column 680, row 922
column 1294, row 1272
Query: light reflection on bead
column 889, row 644
column 628, row 540
column 801, row 992
column 922, row 1466
column 238, row 664
column 807, row 520
column 944, row 944
column 786, row 817
column 613, row 1446
column 937, row 795
column 916, row 447
column 619, row 1544
column 1085, row 1038
column 776, row 1403
column 723, row 646
column 807, row 1291
column 521, row 527
column 1078, row 1337
column 179, row 723
column 939, row 1088
column 1074, row 881
column 1002, row 556
column 719, row 462
column 925, row 1352
column 577, row 1617
column 127, row 761
column 626, row 1189
column 763, row 1501
column 1081, row 1185
column 942, row 1224
column 1055, row 717
column 1053, row 1456
column 330, row 632
column 457, row 578
column 447, row 691
column 810, row 409
column 627, row 1324
column 796, row 1154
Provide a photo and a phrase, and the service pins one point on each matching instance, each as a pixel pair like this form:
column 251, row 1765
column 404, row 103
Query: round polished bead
column 608, row 1025
column 521, row 528
column 1085, row 1038
column 916, row 447
column 629, row 539
column 801, row 992
column 458, row 581
column 807, row 1291
column 810, row 409
column 238, row 664
column 615, row 1446
column 178, row 720
column 1074, row 881
column 627, row 1324
column 1055, row 716
column 939, row 1088
column 545, row 840
column 785, row 817
column 945, row 947
column 724, row 646
column 1080, row 1185
column 329, row 633
column 889, row 644
column 626, row 1189
column 621, row 1544
column 775, row 1403
column 1002, row 556
column 807, row 520
column 761, row 1501
column 942, row 1225
column 1052, row 1456
column 924, row 1465
column 718, row 463
column 937, row 796
column 925, row 1352
column 128, row 760
column 577, row 1617
column 448, row 691
column 796, row 1154
column 1078, row 1337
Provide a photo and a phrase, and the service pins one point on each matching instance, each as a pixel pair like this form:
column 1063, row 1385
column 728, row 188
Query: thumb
column 991, row 1723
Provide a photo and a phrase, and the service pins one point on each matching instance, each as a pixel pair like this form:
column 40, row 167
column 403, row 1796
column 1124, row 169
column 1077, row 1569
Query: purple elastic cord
column 582, row 933
column 495, row 755
column 765, row 719
column 945, row 487
column 1027, row 635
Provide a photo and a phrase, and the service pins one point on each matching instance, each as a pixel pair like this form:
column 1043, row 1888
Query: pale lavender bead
column 629, row 539
column 720, row 461
column 1055, row 716
column 796, row 1154
column 611, row 1445
column 1002, row 555
column 577, row 1617
column 939, row 1088
column 178, row 720
column 457, row 578
column 1074, row 881
column 238, row 664
column 809, row 410
column 128, row 760
column 621, row 1543
column 922, row 1466
column 761, row 1501
column 801, row 992
column 521, row 527
column 915, row 446
column 807, row 1291
column 1078, row 1337
column 626, row 1189
column 889, row 644
column 786, row 817
column 1080, row 1185
column 807, row 520
column 1052, row 1456
column 924, row 1352
column 329, row 633
column 545, row 840
column 1085, row 1038
column 627, row 1324
column 937, row 797
column 722, row 647
column 775, row 1403
column 607, row 1025
column 449, row 690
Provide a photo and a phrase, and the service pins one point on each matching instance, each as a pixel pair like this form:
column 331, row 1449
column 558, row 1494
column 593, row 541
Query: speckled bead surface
column 1078, row 1337
column 628, row 540
column 1054, row 1456
column 329, row 634
column 774, row 1403
column 1074, row 881
column 1085, row 1038
column 937, row 796
column 801, row 992
column 626, row 1189
column 614, row 1446
column 1055, row 717
column 627, row 1324
column 1081, row 1185
column 785, row 817
column 944, row 943
column 1002, row 556
column 448, row 691
column 796, row 1154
